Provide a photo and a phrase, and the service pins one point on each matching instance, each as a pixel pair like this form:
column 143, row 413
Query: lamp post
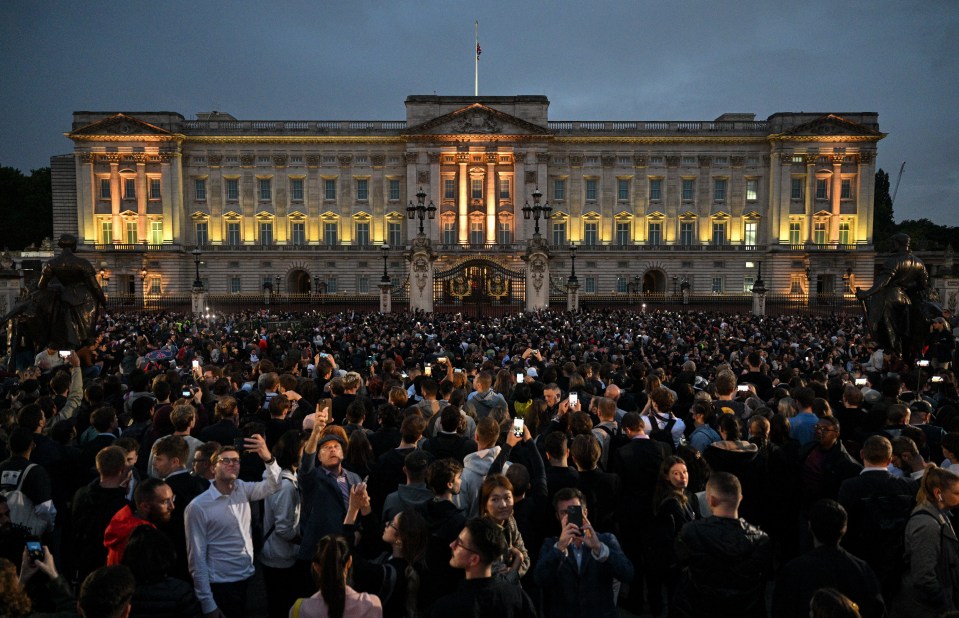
column 197, row 283
column 386, row 251
column 675, row 281
column 143, row 284
column 276, row 284
column 572, row 258
column 421, row 210
column 536, row 210
column 316, row 284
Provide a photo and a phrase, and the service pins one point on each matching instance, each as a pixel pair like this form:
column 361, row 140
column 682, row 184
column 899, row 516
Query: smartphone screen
column 860, row 381
column 35, row 550
column 743, row 388
column 519, row 377
column 573, row 399
column 428, row 370
column 518, row 427
column 187, row 393
column 196, row 363
column 64, row 353
column 574, row 515
column 327, row 404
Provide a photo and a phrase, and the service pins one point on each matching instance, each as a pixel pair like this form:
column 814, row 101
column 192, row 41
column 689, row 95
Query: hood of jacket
column 118, row 531
column 480, row 461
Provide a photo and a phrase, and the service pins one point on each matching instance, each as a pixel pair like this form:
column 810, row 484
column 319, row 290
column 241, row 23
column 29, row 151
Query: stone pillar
column 491, row 197
column 198, row 301
column 572, row 295
column 759, row 293
column 462, row 218
column 386, row 296
column 810, row 193
column 835, row 195
column 421, row 258
column 537, row 274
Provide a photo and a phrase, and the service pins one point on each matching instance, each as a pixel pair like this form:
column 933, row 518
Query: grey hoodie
column 475, row 467
column 406, row 497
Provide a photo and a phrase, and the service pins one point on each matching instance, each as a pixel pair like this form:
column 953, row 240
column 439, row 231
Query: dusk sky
column 595, row 60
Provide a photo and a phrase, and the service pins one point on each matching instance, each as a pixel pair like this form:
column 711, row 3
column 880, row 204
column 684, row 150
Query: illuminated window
column 559, row 189
column 689, row 188
column 129, row 189
column 591, row 234
column 296, row 189
column 822, row 189
column 156, row 232
column 655, row 189
column 104, row 188
column 477, row 233
column 748, row 282
column 591, row 189
column 266, row 233
column 719, row 232
column 131, row 228
column 819, row 233
column 622, row 233
column 235, row 285
column 363, row 284
column 559, row 233
column 394, row 189
column 844, row 233
column 232, row 189
column 199, row 189
column 655, row 233
column 686, row 232
column 794, row 230
column 505, row 232
column 233, row 234
column 362, row 189
column 362, row 234
column 622, row 189
column 719, row 189
column 329, row 233
column 845, row 191
column 154, row 285
column 449, row 189
column 717, row 287
column 202, row 233
column 752, row 190
column 504, row 191
column 106, row 232
column 796, row 189
column 394, row 234
column 329, row 189
column 298, row 233
column 449, row 232
column 750, row 232
column 476, row 190
column 621, row 284
column 154, row 188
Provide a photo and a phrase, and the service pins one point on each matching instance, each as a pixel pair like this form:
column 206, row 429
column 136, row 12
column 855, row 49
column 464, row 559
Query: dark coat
column 838, row 465
column 602, row 491
column 93, row 508
column 224, row 432
column 324, row 509
column 826, row 567
column 485, row 598
column 170, row 598
column 637, row 463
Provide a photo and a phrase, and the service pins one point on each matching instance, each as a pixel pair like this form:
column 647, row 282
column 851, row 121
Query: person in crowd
column 673, row 507
column 414, row 494
column 152, row 506
column 150, row 556
column 335, row 598
column 476, row 465
column 444, row 522
column 496, row 504
column 94, row 505
column 14, row 597
column 281, row 525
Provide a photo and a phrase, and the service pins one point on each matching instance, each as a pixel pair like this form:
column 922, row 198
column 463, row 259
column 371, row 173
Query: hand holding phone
column 518, row 427
column 573, row 399
column 35, row 551
column 574, row 515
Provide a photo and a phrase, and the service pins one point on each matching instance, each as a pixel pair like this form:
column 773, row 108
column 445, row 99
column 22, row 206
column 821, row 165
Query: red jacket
column 118, row 533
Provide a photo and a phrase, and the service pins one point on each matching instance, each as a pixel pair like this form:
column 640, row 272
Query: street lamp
column 572, row 273
column 536, row 210
column 276, row 287
column 143, row 280
column 386, row 250
column 675, row 281
column 196, row 261
column 316, row 284
column 421, row 210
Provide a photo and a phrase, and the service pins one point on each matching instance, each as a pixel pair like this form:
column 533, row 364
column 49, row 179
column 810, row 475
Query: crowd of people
column 553, row 464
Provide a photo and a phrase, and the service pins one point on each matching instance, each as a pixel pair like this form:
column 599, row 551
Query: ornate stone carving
column 519, row 157
column 672, row 161
column 433, row 157
column 111, row 157
column 531, row 178
column 411, row 157
column 542, row 157
column 247, row 160
column 608, row 160
column 344, row 160
column 313, row 160
column 477, row 121
column 492, row 158
column 866, row 157
column 639, row 161
column 87, row 157
column 279, row 160
column 215, row 160
column 737, row 161
column 462, row 157
column 537, row 270
column 786, row 158
column 705, row 161
column 576, row 160
column 837, row 159
column 810, row 158
column 378, row 160
column 423, row 177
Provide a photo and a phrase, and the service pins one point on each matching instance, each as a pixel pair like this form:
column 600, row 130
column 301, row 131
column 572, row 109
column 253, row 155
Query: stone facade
column 307, row 204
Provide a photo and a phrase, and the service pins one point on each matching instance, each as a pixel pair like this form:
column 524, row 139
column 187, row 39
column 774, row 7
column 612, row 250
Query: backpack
column 22, row 509
column 665, row 434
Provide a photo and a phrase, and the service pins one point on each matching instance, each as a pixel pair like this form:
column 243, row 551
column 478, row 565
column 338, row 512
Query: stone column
column 810, row 193
column 198, row 300
column 386, row 296
column 537, row 274
column 865, row 195
column 491, row 197
column 835, row 195
column 421, row 258
column 572, row 296
column 462, row 159
column 759, row 293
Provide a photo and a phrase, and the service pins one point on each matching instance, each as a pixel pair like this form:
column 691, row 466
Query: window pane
column 394, row 189
column 719, row 233
column 129, row 189
column 329, row 233
column 266, row 233
column 719, row 189
column 449, row 233
column 505, row 232
column 266, row 190
column 623, row 189
column 689, row 187
column 752, row 190
column 591, row 188
column 232, row 189
column 362, row 189
column 104, row 188
column 298, row 232
column 477, row 188
column 329, row 189
column 394, row 234
column 655, row 233
column 559, row 233
column 821, row 190
column 797, row 186
column 296, row 189
column 685, row 233
column 844, row 233
column 845, row 191
column 156, row 232
column 749, row 235
column 106, row 232
column 622, row 233
column 154, row 188
column 199, row 189
column 202, row 234
column 504, row 191
column 362, row 233
column 656, row 189
column 590, row 234
column 477, row 233
column 559, row 189
column 233, row 234
column 449, row 189
column 794, row 233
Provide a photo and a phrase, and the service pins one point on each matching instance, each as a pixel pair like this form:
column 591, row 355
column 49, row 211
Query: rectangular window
column 505, row 232
column 329, row 233
column 129, row 188
column 363, row 284
column 235, row 285
column 329, row 189
column 266, row 233
column 265, row 189
column 655, row 233
column 752, row 190
column 796, row 189
column 362, row 234
column 689, row 189
column 822, row 189
column 394, row 234
column 590, row 287
column 298, row 234
column 394, row 189
column 686, row 232
column 154, row 285
column 559, row 189
column 477, row 233
column 748, row 283
column 719, row 232
column 199, row 189
column 794, row 230
column 621, row 284
column 449, row 188
column 843, row 232
column 331, row 287
column 719, row 189
column 156, row 232
column 362, row 189
column 449, row 232
column 154, row 188
column 749, row 233
column 622, row 189
column 591, row 233
column 559, row 233
column 622, row 233
column 296, row 189
column 104, row 188
column 233, row 234
column 106, row 232
column 504, row 191
column 656, row 189
column 717, row 285
column 232, row 189
column 845, row 190
column 202, row 233
column 476, row 191
column 131, row 228
column 819, row 233
column 591, row 189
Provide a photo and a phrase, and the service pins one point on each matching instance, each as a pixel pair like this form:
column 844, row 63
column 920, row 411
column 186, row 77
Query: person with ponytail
column 931, row 583
column 335, row 599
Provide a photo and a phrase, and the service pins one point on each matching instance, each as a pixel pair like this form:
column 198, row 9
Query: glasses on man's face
column 458, row 542
column 825, row 428
column 229, row 461
column 168, row 501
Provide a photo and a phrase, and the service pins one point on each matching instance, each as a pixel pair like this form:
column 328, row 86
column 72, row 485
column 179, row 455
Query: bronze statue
column 62, row 313
column 901, row 305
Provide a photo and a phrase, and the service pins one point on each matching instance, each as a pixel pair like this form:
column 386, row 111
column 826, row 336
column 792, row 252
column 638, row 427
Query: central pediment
column 477, row 119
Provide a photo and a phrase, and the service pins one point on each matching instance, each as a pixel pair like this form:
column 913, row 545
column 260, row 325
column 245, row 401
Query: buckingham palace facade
column 301, row 205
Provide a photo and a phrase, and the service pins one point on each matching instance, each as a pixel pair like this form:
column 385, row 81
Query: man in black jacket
column 725, row 560
column 94, row 505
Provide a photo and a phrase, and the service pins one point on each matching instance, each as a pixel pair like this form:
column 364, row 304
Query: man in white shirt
column 219, row 541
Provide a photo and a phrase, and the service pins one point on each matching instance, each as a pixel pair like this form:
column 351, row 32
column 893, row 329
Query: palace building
column 305, row 206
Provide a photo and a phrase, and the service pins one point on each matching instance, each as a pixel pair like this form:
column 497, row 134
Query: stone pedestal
column 759, row 294
column 198, row 301
column 421, row 258
column 386, row 296
column 572, row 296
column 537, row 274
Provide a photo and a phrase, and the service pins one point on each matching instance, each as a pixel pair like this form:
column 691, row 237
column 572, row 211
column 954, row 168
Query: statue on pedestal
column 900, row 306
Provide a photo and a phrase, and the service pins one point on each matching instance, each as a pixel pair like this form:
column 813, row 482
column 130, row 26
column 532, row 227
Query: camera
column 35, row 551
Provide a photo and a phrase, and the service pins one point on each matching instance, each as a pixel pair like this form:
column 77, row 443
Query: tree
column 884, row 222
column 26, row 207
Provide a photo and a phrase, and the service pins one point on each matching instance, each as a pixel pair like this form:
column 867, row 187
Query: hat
column 940, row 320
column 531, row 372
column 329, row 438
column 871, row 396
column 921, row 406
column 700, row 383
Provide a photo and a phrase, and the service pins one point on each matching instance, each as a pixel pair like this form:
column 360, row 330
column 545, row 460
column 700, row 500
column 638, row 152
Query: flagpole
column 476, row 63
